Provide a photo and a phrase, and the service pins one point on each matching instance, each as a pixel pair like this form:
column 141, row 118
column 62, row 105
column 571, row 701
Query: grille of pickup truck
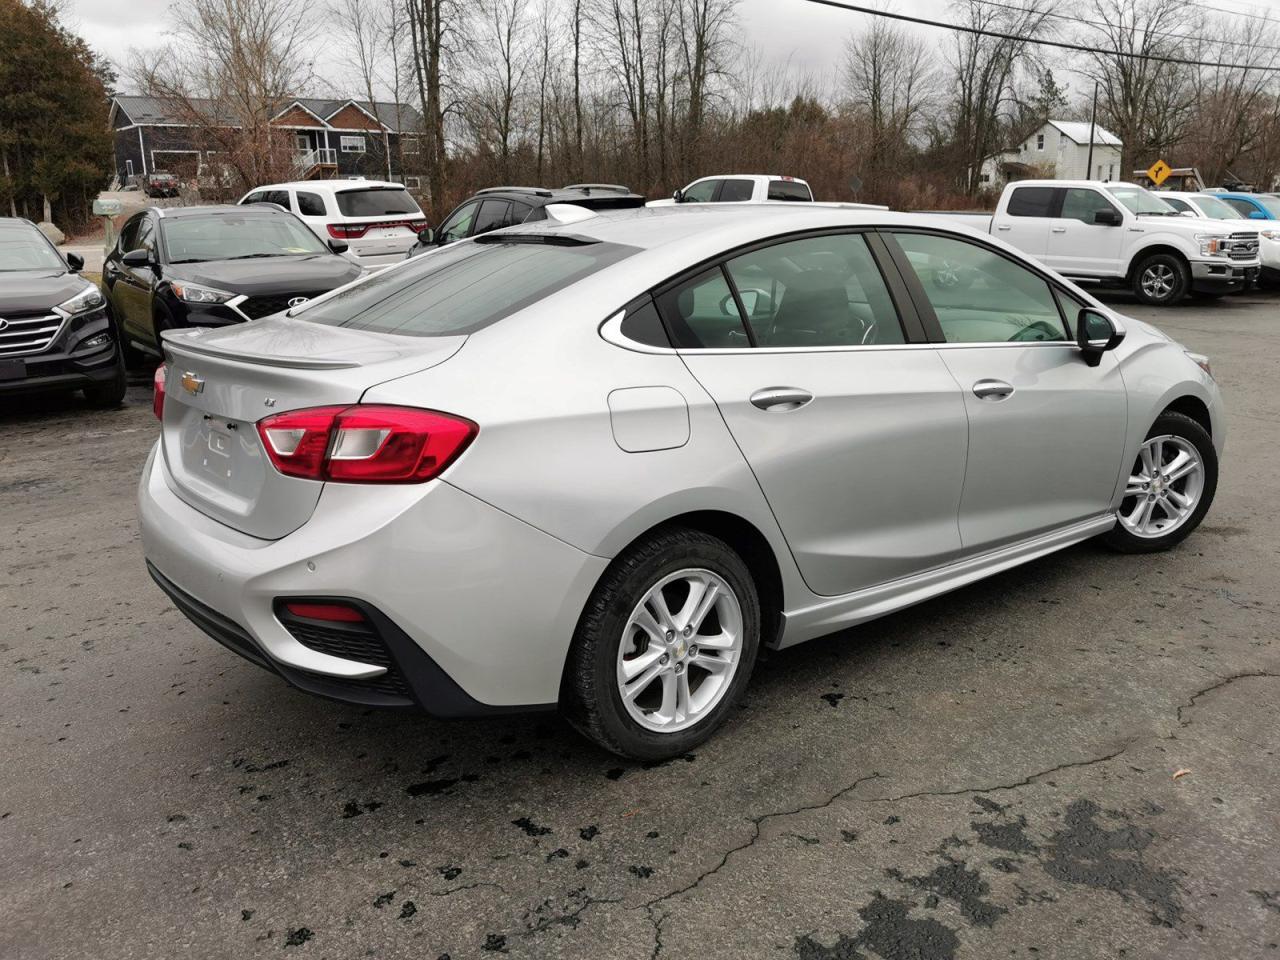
column 1244, row 246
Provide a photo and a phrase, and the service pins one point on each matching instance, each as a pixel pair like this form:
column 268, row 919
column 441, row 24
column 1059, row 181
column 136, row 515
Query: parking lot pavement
column 991, row 774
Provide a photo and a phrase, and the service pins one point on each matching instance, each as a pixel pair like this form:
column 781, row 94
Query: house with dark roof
column 331, row 137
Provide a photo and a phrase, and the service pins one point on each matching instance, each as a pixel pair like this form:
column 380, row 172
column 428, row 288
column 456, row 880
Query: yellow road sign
column 1159, row 172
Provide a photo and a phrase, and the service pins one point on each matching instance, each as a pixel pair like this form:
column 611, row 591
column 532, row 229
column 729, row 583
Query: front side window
column 1216, row 209
column 1244, row 207
column 1178, row 204
column 258, row 196
column 310, row 204
column 1141, row 202
column 225, row 237
column 463, row 288
column 129, row 232
column 459, row 222
column 736, row 191
column 980, row 296
column 816, row 292
column 700, row 192
column 1080, row 203
column 1031, row 202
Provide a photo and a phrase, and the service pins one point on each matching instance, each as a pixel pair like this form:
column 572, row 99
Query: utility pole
column 1093, row 121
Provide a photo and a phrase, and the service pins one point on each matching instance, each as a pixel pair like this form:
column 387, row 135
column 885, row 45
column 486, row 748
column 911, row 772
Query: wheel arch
column 1191, row 406
column 1154, row 248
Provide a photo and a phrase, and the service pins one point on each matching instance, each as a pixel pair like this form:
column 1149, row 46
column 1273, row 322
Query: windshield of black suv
column 462, row 288
column 25, row 248
column 236, row 237
column 1142, row 202
column 376, row 202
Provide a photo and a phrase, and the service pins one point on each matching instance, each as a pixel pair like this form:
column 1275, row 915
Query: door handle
column 992, row 390
column 1059, row 229
column 781, row 399
column 1004, row 226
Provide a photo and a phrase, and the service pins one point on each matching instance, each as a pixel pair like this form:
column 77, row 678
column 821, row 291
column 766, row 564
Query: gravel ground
column 990, row 774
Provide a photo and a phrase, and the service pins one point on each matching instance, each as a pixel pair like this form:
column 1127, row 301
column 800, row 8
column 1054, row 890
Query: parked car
column 378, row 220
column 1202, row 206
column 55, row 333
column 498, row 207
column 665, row 439
column 213, row 266
column 1255, row 206
column 1121, row 235
column 741, row 188
column 160, row 184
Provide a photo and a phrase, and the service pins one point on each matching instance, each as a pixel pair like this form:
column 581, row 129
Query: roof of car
column 178, row 213
column 540, row 196
column 334, row 186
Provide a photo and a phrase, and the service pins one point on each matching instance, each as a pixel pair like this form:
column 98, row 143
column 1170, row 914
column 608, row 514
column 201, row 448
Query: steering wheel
column 1037, row 327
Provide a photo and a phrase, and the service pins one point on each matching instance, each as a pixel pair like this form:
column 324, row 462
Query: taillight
column 157, row 394
column 417, row 226
column 364, row 443
column 347, row 231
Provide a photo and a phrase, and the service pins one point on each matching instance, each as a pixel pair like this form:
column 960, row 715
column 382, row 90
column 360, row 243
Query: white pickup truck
column 740, row 188
column 1121, row 234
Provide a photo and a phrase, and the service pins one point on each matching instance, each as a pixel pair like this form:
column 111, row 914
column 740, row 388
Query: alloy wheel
column 1164, row 487
column 1158, row 281
column 680, row 650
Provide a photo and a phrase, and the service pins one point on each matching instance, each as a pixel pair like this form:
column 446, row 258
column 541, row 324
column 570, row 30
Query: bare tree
column 434, row 28
column 503, row 56
column 368, row 30
column 706, row 36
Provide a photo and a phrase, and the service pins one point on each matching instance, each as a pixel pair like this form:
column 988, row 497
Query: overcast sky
column 809, row 35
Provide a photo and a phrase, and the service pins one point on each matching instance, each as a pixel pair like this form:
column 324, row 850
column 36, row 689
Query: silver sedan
column 595, row 463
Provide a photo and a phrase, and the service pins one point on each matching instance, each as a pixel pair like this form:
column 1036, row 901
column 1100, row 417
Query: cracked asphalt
column 991, row 774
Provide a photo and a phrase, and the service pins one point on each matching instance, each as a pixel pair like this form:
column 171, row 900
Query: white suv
column 378, row 220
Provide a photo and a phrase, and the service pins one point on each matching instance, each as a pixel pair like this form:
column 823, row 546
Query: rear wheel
column 1170, row 487
column 665, row 646
column 1161, row 279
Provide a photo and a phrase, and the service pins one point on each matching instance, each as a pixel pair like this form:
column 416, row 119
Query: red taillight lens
column 333, row 612
column 364, row 444
column 417, row 226
column 347, row 231
column 157, row 395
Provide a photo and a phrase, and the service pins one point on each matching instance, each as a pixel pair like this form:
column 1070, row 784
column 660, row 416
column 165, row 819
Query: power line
column 1060, row 44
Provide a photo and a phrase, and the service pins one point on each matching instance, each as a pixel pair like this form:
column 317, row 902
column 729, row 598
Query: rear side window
column 643, row 325
column 376, row 202
column 493, row 215
column 735, row 191
column 702, row 313
column 310, row 204
column 462, row 288
column 1032, row 202
column 789, row 190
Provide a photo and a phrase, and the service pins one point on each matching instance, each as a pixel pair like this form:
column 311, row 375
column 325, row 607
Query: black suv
column 499, row 207
column 213, row 266
column 55, row 333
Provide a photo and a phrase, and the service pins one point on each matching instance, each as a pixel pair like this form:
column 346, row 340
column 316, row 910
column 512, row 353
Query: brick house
column 332, row 138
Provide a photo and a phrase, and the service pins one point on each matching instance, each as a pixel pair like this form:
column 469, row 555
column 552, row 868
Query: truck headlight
column 90, row 298
column 1212, row 245
column 1271, row 234
column 194, row 293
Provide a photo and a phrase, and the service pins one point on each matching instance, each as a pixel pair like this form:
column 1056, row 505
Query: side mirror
column 1107, row 217
column 426, row 236
column 678, row 196
column 1095, row 335
column 75, row 262
column 1187, row 213
column 137, row 258
column 1257, row 215
column 338, row 246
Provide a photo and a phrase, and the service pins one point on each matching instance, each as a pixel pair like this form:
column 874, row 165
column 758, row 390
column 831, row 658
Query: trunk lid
column 221, row 381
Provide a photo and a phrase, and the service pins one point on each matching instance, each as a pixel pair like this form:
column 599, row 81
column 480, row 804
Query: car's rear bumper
column 473, row 608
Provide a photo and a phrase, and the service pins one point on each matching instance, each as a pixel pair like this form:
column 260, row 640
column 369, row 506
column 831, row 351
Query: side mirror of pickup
column 678, row 196
column 1095, row 335
column 1108, row 217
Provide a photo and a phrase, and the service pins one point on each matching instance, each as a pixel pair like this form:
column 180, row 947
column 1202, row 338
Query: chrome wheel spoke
column 701, row 598
column 1137, row 486
column 1151, row 507
column 714, row 664
column 1180, row 501
column 637, row 665
column 632, row 690
column 1182, row 465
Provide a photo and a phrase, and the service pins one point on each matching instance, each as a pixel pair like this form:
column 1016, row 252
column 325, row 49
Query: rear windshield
column 376, row 202
column 789, row 190
column 462, row 288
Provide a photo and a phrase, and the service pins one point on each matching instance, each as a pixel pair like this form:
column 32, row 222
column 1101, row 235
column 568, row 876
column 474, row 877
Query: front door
column 856, row 436
column 1046, row 431
column 1078, row 245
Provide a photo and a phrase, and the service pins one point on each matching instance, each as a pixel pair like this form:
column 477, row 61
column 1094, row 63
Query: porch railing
column 321, row 156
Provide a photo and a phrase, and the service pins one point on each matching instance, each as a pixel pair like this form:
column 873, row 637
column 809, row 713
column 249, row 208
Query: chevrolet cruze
column 596, row 462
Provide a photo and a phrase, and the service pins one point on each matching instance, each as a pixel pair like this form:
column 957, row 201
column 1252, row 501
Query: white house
column 1060, row 150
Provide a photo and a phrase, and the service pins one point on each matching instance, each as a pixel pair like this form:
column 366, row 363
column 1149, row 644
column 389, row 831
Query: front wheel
column 109, row 394
column 1161, row 279
column 1169, row 489
column 664, row 647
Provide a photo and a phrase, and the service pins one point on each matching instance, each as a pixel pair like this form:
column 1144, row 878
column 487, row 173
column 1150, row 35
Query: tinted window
column 128, row 233
column 538, row 213
column 1031, row 202
column 1178, row 204
column 735, row 191
column 816, row 292
column 376, row 202
column 1081, row 204
column 700, row 192
column 279, row 197
column 788, row 190
column 459, row 222
column 222, row 237
column 1140, row 201
column 145, row 238
column 1243, row 206
column 310, row 204
column 520, row 212
column 980, row 296
column 701, row 312
column 258, row 196
column 493, row 214
column 25, row 248
column 462, row 288
column 643, row 325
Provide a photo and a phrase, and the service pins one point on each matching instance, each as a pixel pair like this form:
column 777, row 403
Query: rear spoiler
column 184, row 343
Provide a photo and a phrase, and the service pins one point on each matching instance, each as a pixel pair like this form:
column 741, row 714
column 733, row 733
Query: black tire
column 590, row 697
column 1174, row 274
column 1178, row 425
column 109, row 394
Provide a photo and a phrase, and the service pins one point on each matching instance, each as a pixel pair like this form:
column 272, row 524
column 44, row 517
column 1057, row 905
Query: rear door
column 1079, row 246
column 1046, row 431
column 1027, row 218
column 855, row 433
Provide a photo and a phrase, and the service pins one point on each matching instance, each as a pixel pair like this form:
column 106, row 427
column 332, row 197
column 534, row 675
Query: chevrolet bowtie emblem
column 191, row 383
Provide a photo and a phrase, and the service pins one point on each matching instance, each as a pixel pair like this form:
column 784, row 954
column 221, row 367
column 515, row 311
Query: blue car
column 1257, row 206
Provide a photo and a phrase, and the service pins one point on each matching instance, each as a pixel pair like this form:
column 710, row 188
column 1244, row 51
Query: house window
column 1039, row 141
column 352, row 144
column 128, row 168
column 409, row 145
column 1062, row 140
column 1111, row 171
